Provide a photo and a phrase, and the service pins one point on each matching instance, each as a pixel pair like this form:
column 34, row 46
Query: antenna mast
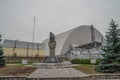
column 33, row 34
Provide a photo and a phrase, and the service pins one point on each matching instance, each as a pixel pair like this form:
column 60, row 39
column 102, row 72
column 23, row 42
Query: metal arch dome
column 78, row 36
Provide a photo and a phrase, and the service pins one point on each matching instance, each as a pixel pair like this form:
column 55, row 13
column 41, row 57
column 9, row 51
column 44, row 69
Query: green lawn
column 86, row 68
column 18, row 69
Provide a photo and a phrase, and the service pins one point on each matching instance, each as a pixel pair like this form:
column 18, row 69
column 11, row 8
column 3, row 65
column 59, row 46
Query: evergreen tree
column 2, row 61
column 110, row 63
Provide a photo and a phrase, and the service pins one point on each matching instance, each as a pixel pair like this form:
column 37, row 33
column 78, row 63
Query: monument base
column 64, row 64
column 52, row 59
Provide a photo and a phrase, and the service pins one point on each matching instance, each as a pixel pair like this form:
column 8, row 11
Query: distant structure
column 22, row 48
column 81, row 42
column 78, row 42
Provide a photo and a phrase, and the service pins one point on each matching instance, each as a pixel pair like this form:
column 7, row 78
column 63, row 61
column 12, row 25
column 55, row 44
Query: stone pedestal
column 52, row 59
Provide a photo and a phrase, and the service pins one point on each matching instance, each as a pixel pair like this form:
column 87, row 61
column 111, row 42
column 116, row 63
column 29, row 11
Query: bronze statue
column 52, row 44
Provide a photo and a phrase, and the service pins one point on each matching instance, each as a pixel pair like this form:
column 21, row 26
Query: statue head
column 52, row 37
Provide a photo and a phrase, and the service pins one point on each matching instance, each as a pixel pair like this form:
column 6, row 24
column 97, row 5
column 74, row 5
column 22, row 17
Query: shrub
column 80, row 61
column 97, row 61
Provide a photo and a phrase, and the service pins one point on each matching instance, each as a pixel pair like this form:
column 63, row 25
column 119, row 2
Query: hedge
column 83, row 61
column 80, row 61
column 98, row 61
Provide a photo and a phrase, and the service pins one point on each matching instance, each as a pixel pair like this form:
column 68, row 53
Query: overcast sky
column 16, row 16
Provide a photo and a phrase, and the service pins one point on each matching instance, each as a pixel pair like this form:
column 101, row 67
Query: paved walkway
column 56, row 73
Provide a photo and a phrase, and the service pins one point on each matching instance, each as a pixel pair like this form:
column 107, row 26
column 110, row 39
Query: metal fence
column 12, row 59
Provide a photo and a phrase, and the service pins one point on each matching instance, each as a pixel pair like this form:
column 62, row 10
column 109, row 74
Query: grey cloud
column 16, row 16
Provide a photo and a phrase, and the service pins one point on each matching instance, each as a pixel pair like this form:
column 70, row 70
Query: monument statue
column 52, row 44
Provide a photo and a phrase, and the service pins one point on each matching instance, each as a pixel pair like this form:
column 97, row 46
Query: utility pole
column 0, row 41
column 95, row 45
column 0, row 38
column 27, row 50
column 38, row 48
column 14, row 54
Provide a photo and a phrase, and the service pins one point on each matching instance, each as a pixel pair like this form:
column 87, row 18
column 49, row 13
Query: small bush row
column 83, row 61
column 80, row 61
column 97, row 61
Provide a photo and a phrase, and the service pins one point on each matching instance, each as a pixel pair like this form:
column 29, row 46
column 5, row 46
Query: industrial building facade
column 22, row 48
column 77, row 40
column 75, row 43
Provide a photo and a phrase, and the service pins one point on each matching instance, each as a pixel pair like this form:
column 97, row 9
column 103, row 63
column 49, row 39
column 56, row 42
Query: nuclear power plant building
column 77, row 41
